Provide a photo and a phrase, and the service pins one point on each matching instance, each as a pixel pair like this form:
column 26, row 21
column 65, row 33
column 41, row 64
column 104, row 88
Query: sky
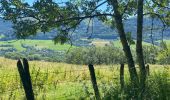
column 59, row 1
column 31, row 1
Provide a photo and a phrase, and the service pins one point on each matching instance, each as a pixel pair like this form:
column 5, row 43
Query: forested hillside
column 96, row 29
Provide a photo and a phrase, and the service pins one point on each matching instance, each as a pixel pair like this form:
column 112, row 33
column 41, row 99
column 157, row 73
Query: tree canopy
column 45, row 15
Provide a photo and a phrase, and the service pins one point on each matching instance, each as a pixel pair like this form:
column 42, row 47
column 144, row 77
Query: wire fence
column 51, row 72
column 37, row 73
column 40, row 84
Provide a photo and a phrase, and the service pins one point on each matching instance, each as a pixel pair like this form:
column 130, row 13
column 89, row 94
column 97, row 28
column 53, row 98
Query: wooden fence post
column 147, row 70
column 122, row 76
column 24, row 73
column 94, row 82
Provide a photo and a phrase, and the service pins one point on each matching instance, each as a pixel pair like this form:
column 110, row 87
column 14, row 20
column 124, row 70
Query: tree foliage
column 45, row 15
column 96, row 55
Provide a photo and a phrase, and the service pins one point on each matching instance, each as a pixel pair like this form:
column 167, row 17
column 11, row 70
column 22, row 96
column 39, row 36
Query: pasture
column 60, row 81
column 38, row 44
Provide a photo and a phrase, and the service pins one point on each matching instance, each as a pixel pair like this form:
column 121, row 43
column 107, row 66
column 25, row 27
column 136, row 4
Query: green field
column 116, row 43
column 49, row 44
column 166, row 41
column 39, row 44
column 60, row 81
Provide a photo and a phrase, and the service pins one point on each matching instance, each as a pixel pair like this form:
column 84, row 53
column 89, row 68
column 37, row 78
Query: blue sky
column 31, row 1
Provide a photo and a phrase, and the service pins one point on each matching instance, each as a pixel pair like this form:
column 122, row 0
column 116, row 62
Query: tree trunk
column 126, row 48
column 139, row 49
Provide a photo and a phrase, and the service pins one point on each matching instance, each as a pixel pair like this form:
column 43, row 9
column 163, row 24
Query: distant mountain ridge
column 99, row 30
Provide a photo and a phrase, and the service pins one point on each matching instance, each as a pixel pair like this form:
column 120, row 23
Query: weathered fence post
column 147, row 70
column 122, row 76
column 94, row 82
column 24, row 73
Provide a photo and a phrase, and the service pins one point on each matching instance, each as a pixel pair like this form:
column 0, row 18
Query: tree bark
column 139, row 49
column 126, row 48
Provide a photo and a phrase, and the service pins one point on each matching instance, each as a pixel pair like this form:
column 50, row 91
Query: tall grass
column 157, row 88
column 60, row 81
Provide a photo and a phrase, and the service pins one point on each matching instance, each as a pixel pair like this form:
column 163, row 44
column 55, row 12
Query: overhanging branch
column 160, row 5
column 84, row 17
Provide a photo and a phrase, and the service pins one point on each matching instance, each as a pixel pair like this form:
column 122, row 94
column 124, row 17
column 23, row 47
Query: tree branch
column 160, row 5
column 126, row 7
column 99, row 6
column 84, row 17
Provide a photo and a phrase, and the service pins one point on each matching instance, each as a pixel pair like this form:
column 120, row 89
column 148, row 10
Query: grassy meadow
column 61, row 81
column 39, row 44
column 116, row 43
column 49, row 44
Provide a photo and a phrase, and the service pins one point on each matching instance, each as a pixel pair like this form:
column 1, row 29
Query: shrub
column 157, row 88
column 34, row 57
column 13, row 55
column 150, row 53
column 164, row 57
column 96, row 55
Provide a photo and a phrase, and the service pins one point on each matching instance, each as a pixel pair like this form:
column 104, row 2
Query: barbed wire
column 75, row 67
column 55, row 72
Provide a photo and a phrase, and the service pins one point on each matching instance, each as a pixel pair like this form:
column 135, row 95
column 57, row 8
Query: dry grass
column 51, row 79
column 100, row 43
